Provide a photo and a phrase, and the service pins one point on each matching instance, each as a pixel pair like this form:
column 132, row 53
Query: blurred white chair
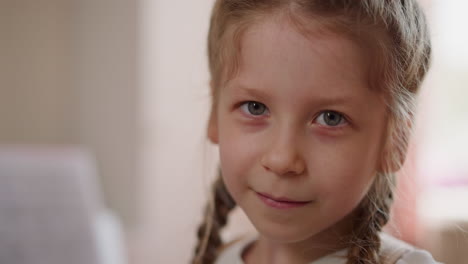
column 51, row 209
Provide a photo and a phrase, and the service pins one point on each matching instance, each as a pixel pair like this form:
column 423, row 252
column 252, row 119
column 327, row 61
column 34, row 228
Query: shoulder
column 417, row 256
column 395, row 251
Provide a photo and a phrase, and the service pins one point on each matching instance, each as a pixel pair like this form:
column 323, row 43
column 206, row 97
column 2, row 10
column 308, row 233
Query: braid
column 216, row 213
column 373, row 214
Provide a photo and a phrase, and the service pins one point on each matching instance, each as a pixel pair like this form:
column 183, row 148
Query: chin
column 283, row 234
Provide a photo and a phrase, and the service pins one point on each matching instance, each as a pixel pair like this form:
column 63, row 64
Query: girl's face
column 298, row 123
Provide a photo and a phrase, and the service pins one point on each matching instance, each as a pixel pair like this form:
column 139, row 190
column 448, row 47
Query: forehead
column 274, row 50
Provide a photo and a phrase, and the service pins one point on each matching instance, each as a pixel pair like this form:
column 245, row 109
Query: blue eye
column 254, row 108
column 331, row 118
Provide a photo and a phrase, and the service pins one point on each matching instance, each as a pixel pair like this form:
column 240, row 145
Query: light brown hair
column 396, row 31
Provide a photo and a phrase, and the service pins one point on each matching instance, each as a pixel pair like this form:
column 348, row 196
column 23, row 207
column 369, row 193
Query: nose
column 283, row 157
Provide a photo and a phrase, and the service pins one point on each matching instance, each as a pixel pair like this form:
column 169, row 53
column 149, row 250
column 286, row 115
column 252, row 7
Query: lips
column 281, row 199
column 281, row 202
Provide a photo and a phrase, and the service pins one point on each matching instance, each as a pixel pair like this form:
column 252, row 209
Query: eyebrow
column 341, row 100
column 250, row 91
column 322, row 100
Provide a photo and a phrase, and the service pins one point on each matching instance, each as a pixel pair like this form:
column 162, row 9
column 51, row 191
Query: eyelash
column 244, row 106
column 342, row 119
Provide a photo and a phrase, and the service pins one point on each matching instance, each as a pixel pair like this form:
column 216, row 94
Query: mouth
column 281, row 202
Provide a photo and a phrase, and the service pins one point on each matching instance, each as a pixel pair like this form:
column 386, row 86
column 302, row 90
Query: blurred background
column 103, row 156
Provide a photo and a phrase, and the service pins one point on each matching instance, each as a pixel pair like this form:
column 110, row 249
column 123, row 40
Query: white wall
column 175, row 87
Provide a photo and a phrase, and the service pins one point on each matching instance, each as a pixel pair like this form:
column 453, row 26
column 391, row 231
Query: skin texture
column 288, row 150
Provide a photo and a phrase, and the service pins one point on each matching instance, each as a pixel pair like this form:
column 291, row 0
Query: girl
column 313, row 103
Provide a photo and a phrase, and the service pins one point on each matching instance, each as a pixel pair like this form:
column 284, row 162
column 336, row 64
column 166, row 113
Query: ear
column 212, row 129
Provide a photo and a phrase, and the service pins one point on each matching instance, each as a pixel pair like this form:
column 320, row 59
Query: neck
column 265, row 250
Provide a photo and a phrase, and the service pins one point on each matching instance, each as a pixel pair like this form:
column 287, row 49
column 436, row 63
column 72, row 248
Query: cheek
column 344, row 188
column 237, row 158
column 345, row 171
column 237, row 148
column 347, row 182
column 233, row 149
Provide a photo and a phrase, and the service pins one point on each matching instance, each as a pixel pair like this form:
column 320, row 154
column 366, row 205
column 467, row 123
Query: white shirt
column 411, row 255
